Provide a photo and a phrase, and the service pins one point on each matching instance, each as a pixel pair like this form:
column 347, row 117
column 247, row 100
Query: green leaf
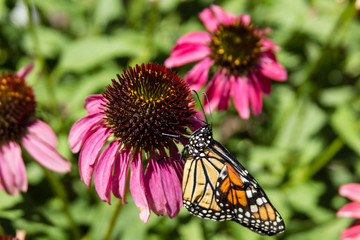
column 336, row 95
column 87, row 53
column 346, row 126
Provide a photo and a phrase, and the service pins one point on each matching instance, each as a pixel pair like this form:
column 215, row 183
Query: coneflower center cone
column 17, row 106
column 235, row 47
column 145, row 102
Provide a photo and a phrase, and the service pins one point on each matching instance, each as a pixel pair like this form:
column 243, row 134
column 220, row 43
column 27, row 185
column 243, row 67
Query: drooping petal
column 265, row 84
column 43, row 131
column 270, row 68
column 137, row 187
column 198, row 75
column 225, row 95
column 93, row 103
column 186, row 53
column 154, row 189
column 122, row 161
column 254, row 94
column 24, row 71
column 241, row 97
column 350, row 210
column 12, row 169
column 81, row 129
column 195, row 38
column 351, row 191
column 45, row 154
column 214, row 90
column 208, row 19
column 172, row 185
column 90, row 152
column 103, row 171
column 351, row 233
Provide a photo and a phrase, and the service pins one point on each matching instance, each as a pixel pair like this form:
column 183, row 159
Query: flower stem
column 59, row 190
column 307, row 172
column 40, row 61
column 113, row 220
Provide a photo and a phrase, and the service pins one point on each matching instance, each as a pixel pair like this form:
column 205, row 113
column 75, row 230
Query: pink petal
column 208, row 19
column 122, row 161
column 241, row 97
column 186, row 53
column 43, row 131
column 90, row 152
column 265, row 84
column 93, row 103
column 245, row 19
column 220, row 14
column 137, row 187
column 254, row 94
column 269, row 45
column 198, row 75
column 154, row 189
column 103, row 171
column 351, row 191
column 172, row 186
column 270, row 68
column 24, row 71
column 45, row 154
column 12, row 169
column 225, row 95
column 214, row 90
column 194, row 38
column 81, row 129
column 351, row 233
column 350, row 210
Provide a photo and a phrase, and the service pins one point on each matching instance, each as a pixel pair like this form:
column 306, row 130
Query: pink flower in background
column 242, row 58
column 133, row 115
column 19, row 126
column 351, row 191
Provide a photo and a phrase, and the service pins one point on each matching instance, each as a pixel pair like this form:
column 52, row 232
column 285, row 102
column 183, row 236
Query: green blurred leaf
column 107, row 10
column 304, row 121
column 84, row 54
column 345, row 124
column 336, row 95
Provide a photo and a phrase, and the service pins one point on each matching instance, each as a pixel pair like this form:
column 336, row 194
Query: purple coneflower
column 137, row 115
column 242, row 58
column 351, row 191
column 19, row 126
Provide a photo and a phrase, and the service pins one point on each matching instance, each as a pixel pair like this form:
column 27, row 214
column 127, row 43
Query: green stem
column 40, row 61
column 113, row 220
column 59, row 190
column 307, row 172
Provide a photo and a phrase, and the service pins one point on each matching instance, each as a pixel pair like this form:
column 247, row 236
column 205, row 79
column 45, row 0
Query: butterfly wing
column 239, row 195
column 201, row 174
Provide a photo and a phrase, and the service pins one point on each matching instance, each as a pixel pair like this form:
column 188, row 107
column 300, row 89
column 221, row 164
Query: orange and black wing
column 239, row 195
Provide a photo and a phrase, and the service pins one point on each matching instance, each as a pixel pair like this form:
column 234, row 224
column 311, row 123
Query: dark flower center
column 235, row 47
column 145, row 102
column 17, row 106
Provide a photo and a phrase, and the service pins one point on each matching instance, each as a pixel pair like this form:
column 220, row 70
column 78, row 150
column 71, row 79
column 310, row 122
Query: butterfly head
column 200, row 140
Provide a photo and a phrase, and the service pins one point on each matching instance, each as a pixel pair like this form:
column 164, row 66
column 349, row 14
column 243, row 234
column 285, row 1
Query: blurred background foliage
column 304, row 145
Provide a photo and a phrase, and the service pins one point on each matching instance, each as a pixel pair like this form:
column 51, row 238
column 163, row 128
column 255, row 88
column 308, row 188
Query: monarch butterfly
column 216, row 186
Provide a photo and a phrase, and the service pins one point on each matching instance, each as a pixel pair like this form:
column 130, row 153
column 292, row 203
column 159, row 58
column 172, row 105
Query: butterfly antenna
column 207, row 100
column 202, row 108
